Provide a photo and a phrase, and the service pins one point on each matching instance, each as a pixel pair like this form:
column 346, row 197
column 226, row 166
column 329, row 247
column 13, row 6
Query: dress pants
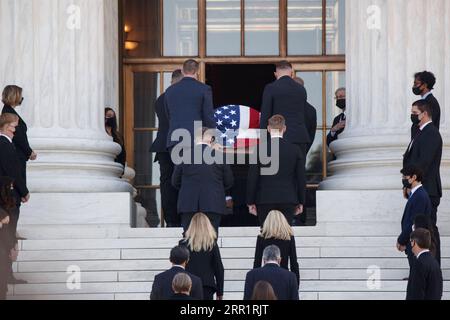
column 208, row 293
column 169, row 195
column 215, row 219
column 288, row 211
column 435, row 202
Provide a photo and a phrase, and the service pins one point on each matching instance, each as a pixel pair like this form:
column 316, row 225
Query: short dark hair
column 411, row 170
column 179, row 255
column 426, row 77
column 283, row 65
column 190, row 67
column 422, row 237
column 277, row 122
column 177, row 75
column 424, row 106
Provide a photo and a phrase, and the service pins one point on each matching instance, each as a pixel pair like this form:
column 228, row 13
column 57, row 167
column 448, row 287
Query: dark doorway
column 239, row 84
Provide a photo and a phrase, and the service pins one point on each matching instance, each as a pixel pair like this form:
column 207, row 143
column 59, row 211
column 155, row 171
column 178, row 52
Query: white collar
column 420, row 253
column 423, row 127
column 4, row 135
column 426, row 95
column 275, row 136
column 415, row 189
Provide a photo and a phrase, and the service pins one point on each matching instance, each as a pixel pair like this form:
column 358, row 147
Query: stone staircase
column 120, row 263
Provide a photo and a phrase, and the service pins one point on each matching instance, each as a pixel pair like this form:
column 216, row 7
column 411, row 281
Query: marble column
column 64, row 53
column 387, row 42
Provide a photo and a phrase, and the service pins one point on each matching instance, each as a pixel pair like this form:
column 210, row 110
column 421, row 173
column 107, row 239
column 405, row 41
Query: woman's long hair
column 201, row 235
column 114, row 132
column 7, row 201
column 263, row 291
column 276, row 227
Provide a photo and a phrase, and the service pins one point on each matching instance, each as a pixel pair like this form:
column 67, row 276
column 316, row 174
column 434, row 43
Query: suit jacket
column 181, row 297
column 186, row 102
column 425, row 281
column 287, row 186
column 287, row 98
column 311, row 124
column 208, row 266
column 426, row 154
column 162, row 285
column 20, row 137
column 202, row 186
column 284, row 283
column 418, row 203
column 160, row 144
column 10, row 167
column 435, row 108
column 288, row 254
column 330, row 137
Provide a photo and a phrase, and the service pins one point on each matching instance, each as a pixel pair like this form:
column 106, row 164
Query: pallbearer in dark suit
column 285, row 190
column 283, row 282
column 202, row 184
column 340, row 121
column 425, row 152
column 12, row 98
column 425, row 282
column 423, row 85
column 10, row 167
column 163, row 283
column 205, row 261
column 187, row 102
column 169, row 195
column 287, row 98
column 418, row 204
column 310, row 118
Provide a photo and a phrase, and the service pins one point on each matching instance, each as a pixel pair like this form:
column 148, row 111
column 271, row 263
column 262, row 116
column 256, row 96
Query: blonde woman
column 277, row 231
column 205, row 261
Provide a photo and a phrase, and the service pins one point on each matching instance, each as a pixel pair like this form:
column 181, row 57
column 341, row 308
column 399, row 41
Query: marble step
column 236, row 253
column 229, row 264
column 230, row 286
column 235, row 242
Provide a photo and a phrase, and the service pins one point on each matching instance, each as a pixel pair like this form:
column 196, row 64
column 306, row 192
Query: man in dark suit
column 284, row 282
column 10, row 167
column 423, row 84
column 162, row 285
column 285, row 190
column 340, row 121
column 287, row 98
column 202, row 179
column 425, row 153
column 187, row 102
column 310, row 118
column 425, row 282
column 169, row 195
column 418, row 204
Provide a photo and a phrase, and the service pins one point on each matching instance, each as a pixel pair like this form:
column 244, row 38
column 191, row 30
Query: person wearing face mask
column 423, row 84
column 111, row 129
column 425, row 152
column 340, row 121
column 418, row 204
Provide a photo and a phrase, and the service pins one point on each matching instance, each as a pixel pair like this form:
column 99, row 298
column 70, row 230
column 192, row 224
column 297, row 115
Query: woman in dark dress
column 277, row 231
column 7, row 241
column 205, row 262
column 111, row 129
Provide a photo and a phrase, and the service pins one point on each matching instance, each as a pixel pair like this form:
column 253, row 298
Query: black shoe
column 12, row 280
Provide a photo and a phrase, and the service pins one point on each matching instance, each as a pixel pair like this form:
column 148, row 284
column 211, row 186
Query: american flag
column 239, row 126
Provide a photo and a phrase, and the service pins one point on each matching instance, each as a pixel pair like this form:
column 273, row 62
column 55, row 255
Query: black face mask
column 341, row 104
column 415, row 119
column 417, row 91
column 406, row 184
column 111, row 122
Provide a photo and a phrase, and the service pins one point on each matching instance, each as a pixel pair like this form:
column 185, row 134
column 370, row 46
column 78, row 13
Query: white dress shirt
column 420, row 253
column 4, row 135
column 426, row 95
